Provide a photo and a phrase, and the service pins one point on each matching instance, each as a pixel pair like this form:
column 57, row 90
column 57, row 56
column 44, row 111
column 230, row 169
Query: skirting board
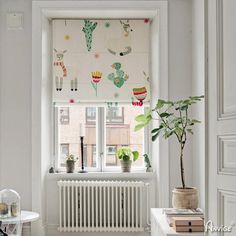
column 52, row 231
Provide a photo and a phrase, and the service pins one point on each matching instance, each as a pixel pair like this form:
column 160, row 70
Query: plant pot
column 70, row 166
column 185, row 198
column 125, row 165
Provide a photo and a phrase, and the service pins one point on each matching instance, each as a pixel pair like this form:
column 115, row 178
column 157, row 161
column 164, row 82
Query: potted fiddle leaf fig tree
column 125, row 156
column 174, row 120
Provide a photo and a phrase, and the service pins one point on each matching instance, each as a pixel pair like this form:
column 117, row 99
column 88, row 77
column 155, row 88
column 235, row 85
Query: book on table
column 183, row 212
column 189, row 228
column 185, row 220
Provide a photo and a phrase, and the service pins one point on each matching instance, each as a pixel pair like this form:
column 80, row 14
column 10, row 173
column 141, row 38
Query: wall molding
column 222, row 196
column 223, row 143
column 222, row 111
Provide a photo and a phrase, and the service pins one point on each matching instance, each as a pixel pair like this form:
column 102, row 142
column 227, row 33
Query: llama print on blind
column 59, row 61
column 121, row 46
column 74, row 84
column 73, row 76
column 60, row 69
column 59, row 83
column 88, row 29
column 119, row 77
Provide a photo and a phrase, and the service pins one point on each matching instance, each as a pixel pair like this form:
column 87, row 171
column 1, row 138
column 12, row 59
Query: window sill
column 103, row 175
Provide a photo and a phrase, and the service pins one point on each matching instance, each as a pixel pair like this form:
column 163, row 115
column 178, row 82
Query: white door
column 222, row 113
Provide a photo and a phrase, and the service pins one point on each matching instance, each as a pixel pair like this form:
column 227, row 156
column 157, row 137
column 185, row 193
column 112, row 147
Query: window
column 103, row 83
column 111, row 160
column 90, row 115
column 64, row 152
column 102, row 136
column 70, row 134
column 65, row 115
column 114, row 115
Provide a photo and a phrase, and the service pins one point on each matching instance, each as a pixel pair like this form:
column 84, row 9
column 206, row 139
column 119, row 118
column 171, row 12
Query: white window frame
column 100, row 144
column 41, row 149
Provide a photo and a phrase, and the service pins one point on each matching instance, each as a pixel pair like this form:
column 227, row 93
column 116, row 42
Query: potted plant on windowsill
column 124, row 155
column 70, row 163
column 174, row 120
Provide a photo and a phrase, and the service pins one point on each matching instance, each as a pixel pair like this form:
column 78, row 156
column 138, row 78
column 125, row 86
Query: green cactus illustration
column 88, row 29
column 120, row 76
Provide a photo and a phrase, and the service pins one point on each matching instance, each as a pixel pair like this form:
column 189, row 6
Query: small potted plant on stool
column 70, row 163
column 124, row 155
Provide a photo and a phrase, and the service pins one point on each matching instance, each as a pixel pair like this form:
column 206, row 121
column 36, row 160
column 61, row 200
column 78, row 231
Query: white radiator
column 98, row 206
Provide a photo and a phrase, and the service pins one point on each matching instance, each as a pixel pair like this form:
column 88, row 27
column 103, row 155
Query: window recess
column 100, row 80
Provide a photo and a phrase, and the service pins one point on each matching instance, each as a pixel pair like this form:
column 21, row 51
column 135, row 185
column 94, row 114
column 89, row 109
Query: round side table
column 26, row 217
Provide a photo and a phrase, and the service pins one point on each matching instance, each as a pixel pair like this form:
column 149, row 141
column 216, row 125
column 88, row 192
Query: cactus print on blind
column 88, row 29
column 119, row 77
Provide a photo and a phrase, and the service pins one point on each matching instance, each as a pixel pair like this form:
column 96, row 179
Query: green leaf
column 164, row 114
column 139, row 126
column 176, row 121
column 167, row 134
column 135, row 155
column 140, row 118
column 184, row 108
column 148, row 112
column 169, row 102
column 179, row 102
column 187, row 101
column 154, row 137
column 178, row 131
column 160, row 103
column 190, row 131
column 196, row 121
column 126, row 158
column 197, row 98
column 148, row 118
column 157, row 129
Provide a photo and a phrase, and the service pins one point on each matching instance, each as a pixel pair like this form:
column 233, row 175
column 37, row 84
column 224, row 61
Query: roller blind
column 101, row 61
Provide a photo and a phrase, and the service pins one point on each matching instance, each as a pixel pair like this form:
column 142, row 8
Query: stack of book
column 185, row 220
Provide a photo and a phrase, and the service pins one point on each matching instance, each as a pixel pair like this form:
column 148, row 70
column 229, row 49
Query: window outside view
column 119, row 132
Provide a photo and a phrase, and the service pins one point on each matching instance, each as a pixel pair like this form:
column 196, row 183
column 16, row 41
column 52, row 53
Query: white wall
column 15, row 102
column 180, row 78
column 198, row 88
column 15, row 93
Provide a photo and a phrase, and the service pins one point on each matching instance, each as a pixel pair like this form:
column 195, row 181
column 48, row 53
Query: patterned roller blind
column 101, row 61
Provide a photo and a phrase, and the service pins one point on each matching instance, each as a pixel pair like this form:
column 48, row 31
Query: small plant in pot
column 70, row 163
column 174, row 120
column 125, row 156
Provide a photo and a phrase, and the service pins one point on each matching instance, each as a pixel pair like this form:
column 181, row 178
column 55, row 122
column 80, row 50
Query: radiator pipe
column 148, row 204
